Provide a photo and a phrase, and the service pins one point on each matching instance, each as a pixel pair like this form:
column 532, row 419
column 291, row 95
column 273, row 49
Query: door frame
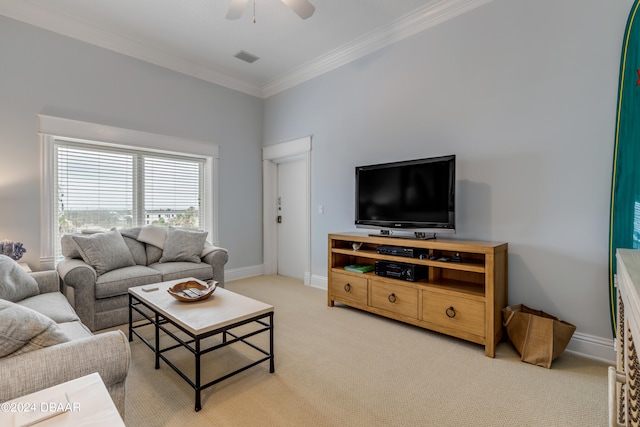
column 272, row 155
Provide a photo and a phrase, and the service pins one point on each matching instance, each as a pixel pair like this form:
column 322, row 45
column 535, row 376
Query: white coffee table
column 219, row 314
column 83, row 401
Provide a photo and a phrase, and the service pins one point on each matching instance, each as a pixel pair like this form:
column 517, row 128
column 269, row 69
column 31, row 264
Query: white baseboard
column 259, row 270
column 243, row 272
column 319, row 282
column 593, row 347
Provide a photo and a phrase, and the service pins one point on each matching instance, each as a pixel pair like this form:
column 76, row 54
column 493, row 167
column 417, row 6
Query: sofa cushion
column 104, row 251
column 118, row 282
column 154, row 254
column 69, row 247
column 54, row 305
column 23, row 330
column 153, row 235
column 75, row 330
column 15, row 283
column 132, row 232
column 183, row 245
column 182, row 270
column 137, row 249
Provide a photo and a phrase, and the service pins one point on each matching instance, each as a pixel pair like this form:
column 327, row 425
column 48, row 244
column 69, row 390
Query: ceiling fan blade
column 236, row 8
column 302, row 8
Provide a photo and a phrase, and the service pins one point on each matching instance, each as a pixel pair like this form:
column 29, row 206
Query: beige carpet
column 343, row 367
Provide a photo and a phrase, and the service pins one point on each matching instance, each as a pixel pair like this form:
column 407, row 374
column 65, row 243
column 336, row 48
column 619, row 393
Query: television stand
column 419, row 235
column 462, row 294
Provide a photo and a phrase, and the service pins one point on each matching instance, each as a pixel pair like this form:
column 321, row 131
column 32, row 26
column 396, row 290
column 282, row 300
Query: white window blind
column 100, row 187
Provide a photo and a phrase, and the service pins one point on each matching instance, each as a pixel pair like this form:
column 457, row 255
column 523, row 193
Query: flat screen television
column 408, row 197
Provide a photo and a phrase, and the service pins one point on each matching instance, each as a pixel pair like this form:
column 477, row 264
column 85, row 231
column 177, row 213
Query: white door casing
column 299, row 149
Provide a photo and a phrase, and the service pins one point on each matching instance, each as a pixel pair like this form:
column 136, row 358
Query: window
column 89, row 184
column 101, row 187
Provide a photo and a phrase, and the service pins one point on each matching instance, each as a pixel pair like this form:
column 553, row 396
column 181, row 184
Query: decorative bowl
column 191, row 291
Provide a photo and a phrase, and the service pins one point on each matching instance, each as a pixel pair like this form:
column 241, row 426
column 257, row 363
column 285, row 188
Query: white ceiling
column 194, row 37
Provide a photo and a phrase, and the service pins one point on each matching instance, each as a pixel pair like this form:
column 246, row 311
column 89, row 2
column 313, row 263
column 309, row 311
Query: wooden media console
column 462, row 296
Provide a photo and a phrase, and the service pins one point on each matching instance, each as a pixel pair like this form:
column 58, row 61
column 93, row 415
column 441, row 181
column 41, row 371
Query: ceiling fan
column 302, row 8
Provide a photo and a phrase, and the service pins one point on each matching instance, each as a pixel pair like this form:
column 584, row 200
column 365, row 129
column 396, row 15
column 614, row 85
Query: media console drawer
column 397, row 299
column 349, row 287
column 454, row 312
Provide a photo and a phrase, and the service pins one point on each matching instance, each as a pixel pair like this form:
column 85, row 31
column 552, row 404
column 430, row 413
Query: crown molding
column 432, row 14
column 426, row 17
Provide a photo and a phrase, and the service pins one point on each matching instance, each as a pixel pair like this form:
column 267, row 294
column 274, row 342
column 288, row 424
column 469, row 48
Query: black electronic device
column 412, row 197
column 401, row 270
column 401, row 251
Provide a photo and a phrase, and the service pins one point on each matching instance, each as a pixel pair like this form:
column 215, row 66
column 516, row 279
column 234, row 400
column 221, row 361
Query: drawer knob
column 347, row 287
column 451, row 312
column 392, row 298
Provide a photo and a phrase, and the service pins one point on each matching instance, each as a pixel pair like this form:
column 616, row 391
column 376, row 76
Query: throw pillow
column 153, row 235
column 69, row 247
column 104, row 251
column 23, row 330
column 153, row 254
column 183, row 245
column 15, row 283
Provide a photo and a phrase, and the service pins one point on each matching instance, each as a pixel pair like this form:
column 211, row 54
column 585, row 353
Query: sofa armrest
column 76, row 272
column 82, row 278
column 217, row 259
column 108, row 354
column 48, row 281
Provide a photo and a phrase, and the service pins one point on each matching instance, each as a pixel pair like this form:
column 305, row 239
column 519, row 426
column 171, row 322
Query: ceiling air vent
column 246, row 56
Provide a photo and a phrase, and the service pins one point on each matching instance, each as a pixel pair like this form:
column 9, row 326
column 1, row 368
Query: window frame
column 52, row 128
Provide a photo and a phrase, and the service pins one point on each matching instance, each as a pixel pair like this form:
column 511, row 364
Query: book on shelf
column 359, row 268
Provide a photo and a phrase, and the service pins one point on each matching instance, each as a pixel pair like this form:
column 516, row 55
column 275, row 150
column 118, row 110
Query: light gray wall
column 42, row 72
column 524, row 93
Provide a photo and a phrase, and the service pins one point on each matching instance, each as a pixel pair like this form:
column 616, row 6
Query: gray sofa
column 99, row 268
column 44, row 343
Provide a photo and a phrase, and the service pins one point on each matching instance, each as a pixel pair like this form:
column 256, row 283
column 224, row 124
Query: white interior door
column 291, row 221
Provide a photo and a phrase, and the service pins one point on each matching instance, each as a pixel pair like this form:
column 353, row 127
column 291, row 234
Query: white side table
column 83, row 401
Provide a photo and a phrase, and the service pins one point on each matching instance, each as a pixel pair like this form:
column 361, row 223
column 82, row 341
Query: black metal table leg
column 272, row 368
column 130, row 318
column 157, row 349
column 197, row 387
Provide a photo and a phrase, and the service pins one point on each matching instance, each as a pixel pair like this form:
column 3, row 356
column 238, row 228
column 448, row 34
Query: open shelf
column 473, row 265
